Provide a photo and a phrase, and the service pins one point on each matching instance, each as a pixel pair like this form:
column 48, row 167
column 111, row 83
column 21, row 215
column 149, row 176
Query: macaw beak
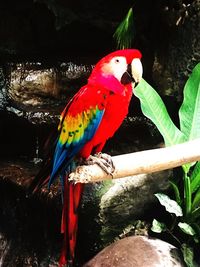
column 133, row 73
column 136, row 70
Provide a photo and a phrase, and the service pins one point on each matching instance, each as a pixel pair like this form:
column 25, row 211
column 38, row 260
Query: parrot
column 90, row 118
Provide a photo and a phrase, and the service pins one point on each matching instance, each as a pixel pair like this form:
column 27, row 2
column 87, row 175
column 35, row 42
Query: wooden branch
column 148, row 161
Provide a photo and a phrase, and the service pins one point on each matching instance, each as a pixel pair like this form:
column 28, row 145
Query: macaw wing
column 76, row 129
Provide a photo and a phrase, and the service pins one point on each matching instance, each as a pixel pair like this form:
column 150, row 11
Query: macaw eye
column 116, row 60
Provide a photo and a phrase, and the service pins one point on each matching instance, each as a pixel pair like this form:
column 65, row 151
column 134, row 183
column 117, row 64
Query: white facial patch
column 117, row 66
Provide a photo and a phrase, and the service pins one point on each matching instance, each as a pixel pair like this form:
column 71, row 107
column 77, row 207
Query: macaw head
column 117, row 69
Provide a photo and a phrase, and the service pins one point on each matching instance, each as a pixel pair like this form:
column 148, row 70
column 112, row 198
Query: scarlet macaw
column 89, row 119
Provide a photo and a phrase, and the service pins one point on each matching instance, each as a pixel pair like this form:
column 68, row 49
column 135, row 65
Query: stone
column 138, row 251
column 129, row 199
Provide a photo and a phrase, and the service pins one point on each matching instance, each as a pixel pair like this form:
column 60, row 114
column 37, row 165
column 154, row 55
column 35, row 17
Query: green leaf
column 176, row 192
column 154, row 108
column 195, row 185
column 158, row 227
column 188, row 255
column 125, row 31
column 189, row 112
column 186, row 167
column 187, row 195
column 186, row 228
column 195, row 178
column 196, row 227
column 196, row 200
column 169, row 204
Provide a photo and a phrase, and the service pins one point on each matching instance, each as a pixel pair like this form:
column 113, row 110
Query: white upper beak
column 136, row 69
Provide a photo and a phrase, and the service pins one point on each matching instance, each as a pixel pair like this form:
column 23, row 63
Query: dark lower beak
column 127, row 76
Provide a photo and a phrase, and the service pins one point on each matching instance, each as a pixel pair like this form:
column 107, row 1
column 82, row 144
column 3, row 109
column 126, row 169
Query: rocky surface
column 30, row 224
column 138, row 251
column 30, row 232
column 126, row 200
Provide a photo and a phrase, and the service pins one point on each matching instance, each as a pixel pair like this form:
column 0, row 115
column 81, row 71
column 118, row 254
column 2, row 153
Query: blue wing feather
column 65, row 151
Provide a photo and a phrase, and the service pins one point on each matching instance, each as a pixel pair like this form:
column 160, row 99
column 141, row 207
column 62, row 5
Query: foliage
column 125, row 31
column 184, row 211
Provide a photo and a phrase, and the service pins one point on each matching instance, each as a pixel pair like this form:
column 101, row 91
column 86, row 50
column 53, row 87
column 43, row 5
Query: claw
column 103, row 160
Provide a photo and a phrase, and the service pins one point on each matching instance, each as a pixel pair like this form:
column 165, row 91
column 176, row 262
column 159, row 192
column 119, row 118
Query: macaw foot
column 103, row 160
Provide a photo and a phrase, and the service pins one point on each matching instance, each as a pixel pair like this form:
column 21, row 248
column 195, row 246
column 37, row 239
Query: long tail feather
column 41, row 178
column 69, row 224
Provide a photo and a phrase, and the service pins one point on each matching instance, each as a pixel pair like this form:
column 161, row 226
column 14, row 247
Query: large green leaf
column 154, row 108
column 189, row 112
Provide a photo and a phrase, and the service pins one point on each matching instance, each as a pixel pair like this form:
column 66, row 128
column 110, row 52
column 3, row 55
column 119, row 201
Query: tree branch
column 148, row 161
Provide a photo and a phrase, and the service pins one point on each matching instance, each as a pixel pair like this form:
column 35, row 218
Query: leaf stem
column 173, row 236
column 187, row 194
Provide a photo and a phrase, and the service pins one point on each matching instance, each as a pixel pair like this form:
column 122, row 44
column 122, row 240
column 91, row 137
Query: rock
column 30, row 224
column 128, row 199
column 137, row 251
column 33, row 84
